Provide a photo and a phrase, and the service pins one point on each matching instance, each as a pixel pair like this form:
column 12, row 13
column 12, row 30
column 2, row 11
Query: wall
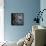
column 28, row 7
column 43, row 6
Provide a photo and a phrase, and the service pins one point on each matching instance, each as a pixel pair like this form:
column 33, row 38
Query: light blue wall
column 43, row 6
column 28, row 7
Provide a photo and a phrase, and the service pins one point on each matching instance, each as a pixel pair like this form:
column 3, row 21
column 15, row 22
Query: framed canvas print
column 17, row 18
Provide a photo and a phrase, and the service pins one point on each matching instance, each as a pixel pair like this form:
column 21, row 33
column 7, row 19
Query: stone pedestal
column 39, row 35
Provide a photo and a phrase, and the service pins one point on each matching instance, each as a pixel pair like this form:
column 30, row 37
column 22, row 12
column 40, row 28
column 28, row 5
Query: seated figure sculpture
column 26, row 41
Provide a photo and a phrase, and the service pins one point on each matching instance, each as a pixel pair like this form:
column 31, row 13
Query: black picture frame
column 17, row 18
